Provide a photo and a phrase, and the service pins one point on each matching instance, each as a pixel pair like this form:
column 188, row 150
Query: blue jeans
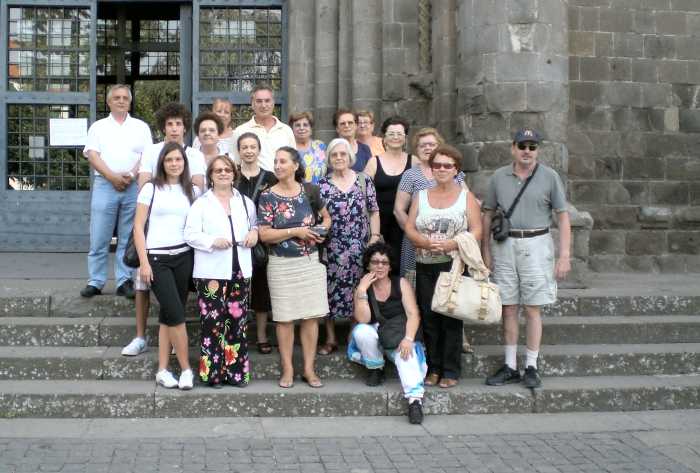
column 107, row 208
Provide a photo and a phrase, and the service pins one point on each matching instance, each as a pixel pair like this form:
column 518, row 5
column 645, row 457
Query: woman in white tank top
column 436, row 216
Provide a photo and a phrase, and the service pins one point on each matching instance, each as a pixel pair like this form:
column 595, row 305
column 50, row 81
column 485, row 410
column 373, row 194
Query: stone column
column 444, row 64
column 366, row 56
column 513, row 62
column 325, row 83
column 301, row 60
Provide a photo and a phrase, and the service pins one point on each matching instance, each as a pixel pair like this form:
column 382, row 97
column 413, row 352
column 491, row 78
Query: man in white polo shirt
column 273, row 133
column 173, row 119
column 114, row 146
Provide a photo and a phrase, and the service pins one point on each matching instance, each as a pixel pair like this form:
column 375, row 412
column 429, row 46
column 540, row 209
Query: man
column 345, row 123
column 272, row 132
column 114, row 146
column 523, row 265
column 173, row 119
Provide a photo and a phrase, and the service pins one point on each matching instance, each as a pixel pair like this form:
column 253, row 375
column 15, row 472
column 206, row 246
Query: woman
column 352, row 204
column 251, row 182
column 365, row 130
column 386, row 171
column 436, row 216
column 288, row 214
column 313, row 152
column 345, row 123
column 164, row 257
column 223, row 109
column 209, row 127
column 393, row 297
column 221, row 227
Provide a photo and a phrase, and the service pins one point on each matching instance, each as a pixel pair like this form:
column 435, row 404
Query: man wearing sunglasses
column 523, row 264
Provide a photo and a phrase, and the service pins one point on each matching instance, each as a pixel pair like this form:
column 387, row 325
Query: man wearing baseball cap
column 523, row 264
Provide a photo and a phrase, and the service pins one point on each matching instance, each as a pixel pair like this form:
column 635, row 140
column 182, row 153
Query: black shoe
column 415, row 412
column 532, row 378
column 375, row 377
column 126, row 289
column 505, row 375
column 89, row 291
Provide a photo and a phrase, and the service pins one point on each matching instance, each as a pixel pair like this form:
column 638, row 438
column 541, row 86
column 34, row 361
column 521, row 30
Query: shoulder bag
column 131, row 256
column 500, row 222
column 391, row 331
column 465, row 298
column 259, row 251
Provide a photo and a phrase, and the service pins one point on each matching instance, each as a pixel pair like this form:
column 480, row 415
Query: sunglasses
column 523, row 147
column 447, row 166
column 379, row 262
column 222, row 171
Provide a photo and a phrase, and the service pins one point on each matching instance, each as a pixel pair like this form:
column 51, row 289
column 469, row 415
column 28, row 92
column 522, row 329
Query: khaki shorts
column 523, row 268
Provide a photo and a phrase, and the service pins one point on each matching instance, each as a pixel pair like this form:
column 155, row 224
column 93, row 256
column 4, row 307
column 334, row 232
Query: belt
column 176, row 250
column 527, row 233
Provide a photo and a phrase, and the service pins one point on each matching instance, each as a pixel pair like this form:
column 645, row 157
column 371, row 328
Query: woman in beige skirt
column 293, row 221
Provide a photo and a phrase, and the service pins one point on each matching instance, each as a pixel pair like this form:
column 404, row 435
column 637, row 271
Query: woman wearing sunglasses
column 222, row 228
column 436, row 216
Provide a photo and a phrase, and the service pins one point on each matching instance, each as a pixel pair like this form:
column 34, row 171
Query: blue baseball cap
column 526, row 134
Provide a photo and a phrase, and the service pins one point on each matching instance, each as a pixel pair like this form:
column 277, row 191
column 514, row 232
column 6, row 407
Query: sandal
column 432, row 379
column 448, row 383
column 327, row 348
column 313, row 381
column 264, row 348
column 285, row 384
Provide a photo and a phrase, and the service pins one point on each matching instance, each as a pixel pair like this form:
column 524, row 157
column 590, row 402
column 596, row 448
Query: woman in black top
column 252, row 180
column 379, row 300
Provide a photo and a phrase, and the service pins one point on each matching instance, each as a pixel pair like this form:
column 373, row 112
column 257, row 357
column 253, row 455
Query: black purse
column 131, row 256
column 391, row 331
column 259, row 251
column 500, row 222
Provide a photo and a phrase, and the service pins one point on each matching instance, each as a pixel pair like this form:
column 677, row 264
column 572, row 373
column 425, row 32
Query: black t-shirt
column 393, row 306
column 246, row 186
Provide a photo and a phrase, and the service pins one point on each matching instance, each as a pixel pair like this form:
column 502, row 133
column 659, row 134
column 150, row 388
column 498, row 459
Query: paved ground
column 663, row 441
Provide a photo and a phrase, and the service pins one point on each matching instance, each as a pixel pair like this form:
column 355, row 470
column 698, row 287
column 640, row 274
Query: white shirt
column 221, row 146
column 166, row 224
column 270, row 141
column 208, row 221
column 149, row 161
column 119, row 144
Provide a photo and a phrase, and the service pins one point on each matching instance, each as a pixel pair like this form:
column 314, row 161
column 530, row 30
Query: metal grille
column 110, row 54
column 49, row 49
column 31, row 163
column 162, row 63
column 239, row 47
column 159, row 31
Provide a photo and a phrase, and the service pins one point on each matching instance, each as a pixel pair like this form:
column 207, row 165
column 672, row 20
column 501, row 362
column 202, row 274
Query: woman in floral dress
column 352, row 203
column 222, row 228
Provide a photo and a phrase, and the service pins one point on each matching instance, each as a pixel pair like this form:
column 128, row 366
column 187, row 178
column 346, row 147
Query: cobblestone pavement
column 541, row 453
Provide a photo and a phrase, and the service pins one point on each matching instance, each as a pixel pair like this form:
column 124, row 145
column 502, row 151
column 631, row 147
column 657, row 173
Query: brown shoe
column 432, row 379
column 448, row 383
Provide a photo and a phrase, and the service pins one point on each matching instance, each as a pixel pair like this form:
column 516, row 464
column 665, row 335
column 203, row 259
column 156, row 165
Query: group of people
column 257, row 218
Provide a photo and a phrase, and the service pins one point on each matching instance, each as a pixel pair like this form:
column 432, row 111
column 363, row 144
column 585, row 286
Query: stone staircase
column 60, row 357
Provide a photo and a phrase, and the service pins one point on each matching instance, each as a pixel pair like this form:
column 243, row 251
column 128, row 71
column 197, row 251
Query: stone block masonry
column 634, row 127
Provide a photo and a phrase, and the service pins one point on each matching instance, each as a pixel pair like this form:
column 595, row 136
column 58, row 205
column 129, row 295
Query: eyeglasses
column 447, row 166
column 395, row 135
column 222, row 171
column 346, row 123
column 301, row 125
column 523, row 147
column 379, row 262
column 427, row 145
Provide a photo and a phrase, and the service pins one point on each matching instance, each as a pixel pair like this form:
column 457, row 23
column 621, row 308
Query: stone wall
column 634, row 131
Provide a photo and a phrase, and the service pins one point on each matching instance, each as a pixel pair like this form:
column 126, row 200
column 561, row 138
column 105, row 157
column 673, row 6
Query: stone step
column 342, row 398
column 71, row 305
column 94, row 363
column 118, row 331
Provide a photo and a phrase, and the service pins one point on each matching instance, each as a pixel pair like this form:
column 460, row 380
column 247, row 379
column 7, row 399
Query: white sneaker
column 186, row 380
column 166, row 379
column 135, row 347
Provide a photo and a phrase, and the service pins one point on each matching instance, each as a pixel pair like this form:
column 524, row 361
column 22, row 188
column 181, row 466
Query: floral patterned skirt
column 223, row 307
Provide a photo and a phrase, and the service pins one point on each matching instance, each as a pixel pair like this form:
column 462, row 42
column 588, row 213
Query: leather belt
column 169, row 251
column 527, row 233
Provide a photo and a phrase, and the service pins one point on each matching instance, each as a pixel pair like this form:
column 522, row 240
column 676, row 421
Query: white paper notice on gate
column 68, row 131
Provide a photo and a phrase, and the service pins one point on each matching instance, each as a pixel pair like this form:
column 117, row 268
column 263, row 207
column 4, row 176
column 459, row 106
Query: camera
column 320, row 230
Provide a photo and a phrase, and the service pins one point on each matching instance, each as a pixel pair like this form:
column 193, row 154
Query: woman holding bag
column 165, row 259
column 436, row 216
column 252, row 180
column 222, row 228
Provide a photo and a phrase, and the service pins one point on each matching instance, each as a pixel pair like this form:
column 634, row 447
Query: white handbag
column 465, row 298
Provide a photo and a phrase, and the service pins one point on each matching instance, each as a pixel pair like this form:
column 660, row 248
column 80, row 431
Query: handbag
column 259, row 251
column 131, row 256
column 500, row 222
column 465, row 298
column 391, row 331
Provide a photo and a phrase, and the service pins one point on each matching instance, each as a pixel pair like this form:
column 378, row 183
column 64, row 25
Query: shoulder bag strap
column 245, row 207
column 148, row 216
column 522, row 189
column 375, row 307
column 362, row 182
column 258, row 183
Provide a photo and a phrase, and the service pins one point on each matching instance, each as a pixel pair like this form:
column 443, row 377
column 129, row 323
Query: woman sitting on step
column 388, row 324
